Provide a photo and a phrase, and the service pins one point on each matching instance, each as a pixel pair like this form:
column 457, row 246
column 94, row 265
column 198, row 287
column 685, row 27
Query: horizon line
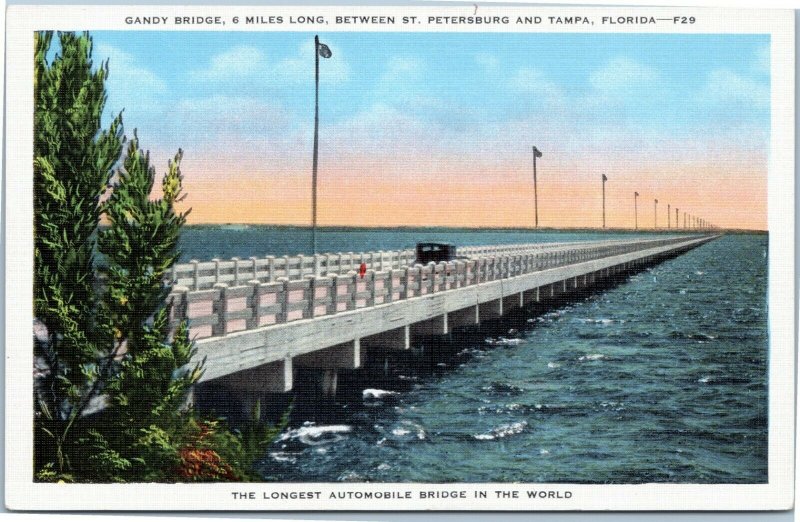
column 488, row 227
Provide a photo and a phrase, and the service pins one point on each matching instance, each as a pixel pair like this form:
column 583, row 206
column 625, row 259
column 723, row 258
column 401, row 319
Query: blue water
column 204, row 242
column 662, row 378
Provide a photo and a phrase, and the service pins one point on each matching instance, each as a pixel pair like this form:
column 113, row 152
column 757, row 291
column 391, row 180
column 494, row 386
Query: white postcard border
column 23, row 493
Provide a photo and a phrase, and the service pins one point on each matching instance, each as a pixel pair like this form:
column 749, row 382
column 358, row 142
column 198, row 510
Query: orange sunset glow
column 485, row 196
column 437, row 129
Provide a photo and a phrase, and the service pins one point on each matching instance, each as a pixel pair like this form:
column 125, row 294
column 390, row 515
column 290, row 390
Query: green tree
column 73, row 162
column 115, row 370
column 109, row 345
column 151, row 362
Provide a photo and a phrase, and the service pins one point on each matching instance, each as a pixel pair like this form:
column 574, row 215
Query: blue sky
column 452, row 79
column 460, row 95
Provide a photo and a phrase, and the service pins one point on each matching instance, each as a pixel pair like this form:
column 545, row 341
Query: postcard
column 468, row 257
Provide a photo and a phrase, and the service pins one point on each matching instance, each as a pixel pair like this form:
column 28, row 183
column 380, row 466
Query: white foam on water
column 592, row 357
column 502, row 431
column 598, row 321
column 350, row 476
column 544, row 452
column 503, row 341
column 312, row 435
column 374, row 393
column 403, row 431
column 553, row 365
column 282, row 456
column 703, row 379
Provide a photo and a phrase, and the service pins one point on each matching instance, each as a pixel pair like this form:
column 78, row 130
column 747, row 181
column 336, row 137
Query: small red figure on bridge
column 362, row 270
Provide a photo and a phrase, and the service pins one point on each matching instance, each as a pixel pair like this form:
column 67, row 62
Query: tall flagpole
column 536, row 154
column 655, row 216
column 316, row 149
column 604, row 200
column 535, row 193
column 320, row 49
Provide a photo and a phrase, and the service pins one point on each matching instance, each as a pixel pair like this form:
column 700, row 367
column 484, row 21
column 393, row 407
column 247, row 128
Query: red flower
column 203, row 464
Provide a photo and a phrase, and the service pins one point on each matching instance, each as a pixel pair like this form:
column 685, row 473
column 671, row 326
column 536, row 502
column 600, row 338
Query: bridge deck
column 253, row 334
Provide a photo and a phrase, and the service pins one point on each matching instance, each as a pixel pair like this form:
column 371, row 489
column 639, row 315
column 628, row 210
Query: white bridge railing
column 243, row 296
column 200, row 275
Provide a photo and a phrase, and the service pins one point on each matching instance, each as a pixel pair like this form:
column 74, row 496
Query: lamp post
column 605, row 178
column 684, row 220
column 676, row 218
column 536, row 154
column 320, row 49
column 655, row 216
column 636, row 210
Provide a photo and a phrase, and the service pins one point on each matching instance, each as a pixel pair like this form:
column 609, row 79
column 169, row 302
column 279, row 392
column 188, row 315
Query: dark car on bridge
column 436, row 252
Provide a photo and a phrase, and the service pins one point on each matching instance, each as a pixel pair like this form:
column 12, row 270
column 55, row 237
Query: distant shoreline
column 343, row 228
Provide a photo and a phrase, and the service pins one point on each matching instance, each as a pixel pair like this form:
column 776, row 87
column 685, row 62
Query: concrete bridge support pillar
column 395, row 339
column 328, row 361
column 252, row 385
column 382, row 343
column 491, row 309
column 530, row 296
column 511, row 302
column 342, row 356
column 434, row 326
column 465, row 317
column 329, row 382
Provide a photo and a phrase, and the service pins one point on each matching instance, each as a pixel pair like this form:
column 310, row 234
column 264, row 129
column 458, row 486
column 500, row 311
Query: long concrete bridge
column 257, row 320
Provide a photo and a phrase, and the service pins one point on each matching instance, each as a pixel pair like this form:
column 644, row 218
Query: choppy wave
column 374, row 393
column 593, row 357
column 312, row 435
column 500, row 432
column 403, row 431
column 503, row 341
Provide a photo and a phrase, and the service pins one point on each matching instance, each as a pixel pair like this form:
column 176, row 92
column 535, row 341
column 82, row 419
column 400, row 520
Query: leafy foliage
column 111, row 401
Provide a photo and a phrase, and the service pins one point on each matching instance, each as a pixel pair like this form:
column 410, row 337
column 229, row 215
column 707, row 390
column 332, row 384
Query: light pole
column 676, row 218
column 684, row 220
column 655, row 216
column 320, row 49
column 536, row 154
column 636, row 210
column 605, row 178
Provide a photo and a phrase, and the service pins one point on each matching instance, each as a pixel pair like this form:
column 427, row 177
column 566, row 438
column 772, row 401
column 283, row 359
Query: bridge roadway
column 254, row 332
